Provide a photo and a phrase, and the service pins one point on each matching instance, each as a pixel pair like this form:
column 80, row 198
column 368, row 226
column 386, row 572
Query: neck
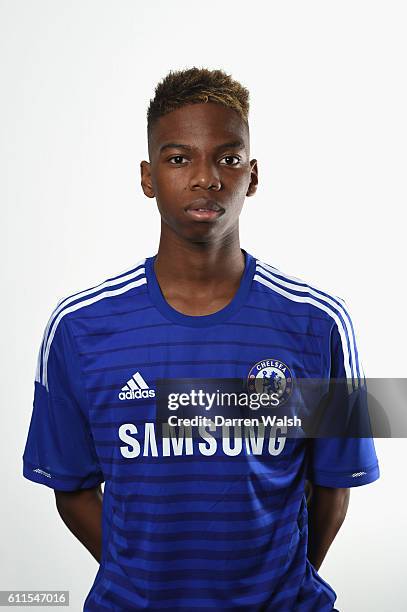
column 199, row 264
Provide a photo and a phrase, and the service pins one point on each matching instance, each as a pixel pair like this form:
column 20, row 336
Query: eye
column 177, row 159
column 230, row 160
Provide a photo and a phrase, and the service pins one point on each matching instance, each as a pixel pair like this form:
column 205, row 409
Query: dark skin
column 81, row 512
column 213, row 162
column 201, row 152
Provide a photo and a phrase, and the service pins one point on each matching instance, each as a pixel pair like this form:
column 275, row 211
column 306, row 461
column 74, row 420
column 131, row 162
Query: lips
column 204, row 205
column 204, row 210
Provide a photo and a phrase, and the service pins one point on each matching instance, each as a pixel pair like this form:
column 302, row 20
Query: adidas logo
column 357, row 474
column 39, row 471
column 136, row 388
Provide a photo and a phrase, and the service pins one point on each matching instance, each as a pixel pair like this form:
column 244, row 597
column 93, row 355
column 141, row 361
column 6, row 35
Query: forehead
column 199, row 125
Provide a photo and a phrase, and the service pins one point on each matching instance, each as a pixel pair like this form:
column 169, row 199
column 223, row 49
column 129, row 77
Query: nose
column 205, row 176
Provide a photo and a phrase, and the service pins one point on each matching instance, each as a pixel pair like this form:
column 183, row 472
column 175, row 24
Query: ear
column 146, row 182
column 254, row 178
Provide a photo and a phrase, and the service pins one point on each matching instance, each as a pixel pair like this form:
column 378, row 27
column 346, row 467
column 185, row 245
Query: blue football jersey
column 213, row 521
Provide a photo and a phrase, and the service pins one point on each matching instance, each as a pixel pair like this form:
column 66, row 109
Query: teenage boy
column 217, row 520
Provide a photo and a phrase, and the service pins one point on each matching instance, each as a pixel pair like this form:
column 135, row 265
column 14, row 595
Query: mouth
column 204, row 210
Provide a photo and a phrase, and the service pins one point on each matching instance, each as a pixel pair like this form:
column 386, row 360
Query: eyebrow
column 174, row 145
column 236, row 144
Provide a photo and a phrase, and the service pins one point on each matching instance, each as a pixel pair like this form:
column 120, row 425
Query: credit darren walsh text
column 219, row 420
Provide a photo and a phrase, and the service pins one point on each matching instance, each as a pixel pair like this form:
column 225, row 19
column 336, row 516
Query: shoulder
column 95, row 301
column 100, row 294
column 313, row 306
column 300, row 295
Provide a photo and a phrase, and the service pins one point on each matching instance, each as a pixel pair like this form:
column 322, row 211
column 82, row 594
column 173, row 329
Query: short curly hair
column 194, row 86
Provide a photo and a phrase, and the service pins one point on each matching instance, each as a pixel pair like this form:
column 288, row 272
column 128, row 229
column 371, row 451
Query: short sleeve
column 60, row 451
column 345, row 461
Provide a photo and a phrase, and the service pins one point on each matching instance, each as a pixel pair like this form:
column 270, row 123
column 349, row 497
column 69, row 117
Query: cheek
column 169, row 182
column 238, row 185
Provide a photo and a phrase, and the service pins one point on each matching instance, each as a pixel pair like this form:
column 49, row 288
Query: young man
column 217, row 519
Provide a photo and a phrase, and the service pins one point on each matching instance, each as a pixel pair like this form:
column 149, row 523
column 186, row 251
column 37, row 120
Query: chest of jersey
column 125, row 358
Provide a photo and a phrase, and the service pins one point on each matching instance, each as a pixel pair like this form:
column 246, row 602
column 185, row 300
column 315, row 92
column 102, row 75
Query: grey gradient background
column 328, row 123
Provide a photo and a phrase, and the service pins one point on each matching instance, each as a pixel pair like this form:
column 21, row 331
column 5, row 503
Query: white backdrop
column 328, row 122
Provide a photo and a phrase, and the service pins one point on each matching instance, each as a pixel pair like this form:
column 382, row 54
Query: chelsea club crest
column 271, row 376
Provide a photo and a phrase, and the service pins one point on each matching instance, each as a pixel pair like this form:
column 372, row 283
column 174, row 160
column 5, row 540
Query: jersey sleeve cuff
column 59, row 482
column 357, row 478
